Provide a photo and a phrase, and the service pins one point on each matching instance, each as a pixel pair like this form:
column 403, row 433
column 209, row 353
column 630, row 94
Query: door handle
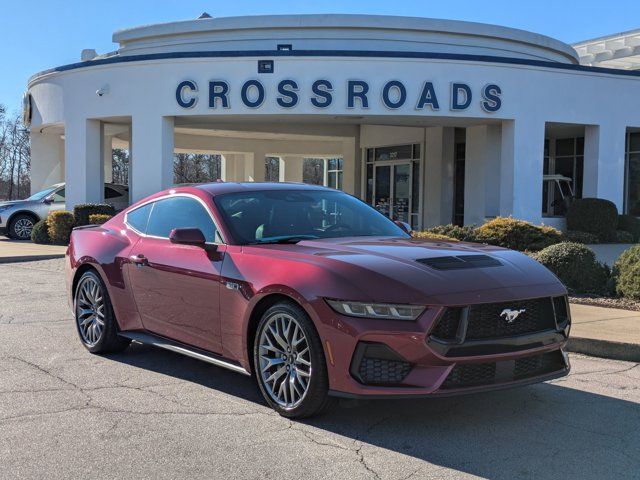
column 139, row 260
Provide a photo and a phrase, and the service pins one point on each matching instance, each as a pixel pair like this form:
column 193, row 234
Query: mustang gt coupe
column 316, row 294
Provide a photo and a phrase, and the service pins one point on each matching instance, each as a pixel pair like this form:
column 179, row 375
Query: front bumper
column 498, row 363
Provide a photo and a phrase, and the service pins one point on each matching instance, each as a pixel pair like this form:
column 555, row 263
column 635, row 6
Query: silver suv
column 18, row 217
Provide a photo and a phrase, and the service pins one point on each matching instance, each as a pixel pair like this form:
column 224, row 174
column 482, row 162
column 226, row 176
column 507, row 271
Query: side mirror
column 406, row 228
column 48, row 200
column 187, row 236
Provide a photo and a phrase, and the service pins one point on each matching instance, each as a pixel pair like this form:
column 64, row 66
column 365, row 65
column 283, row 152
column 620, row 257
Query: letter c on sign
column 180, row 98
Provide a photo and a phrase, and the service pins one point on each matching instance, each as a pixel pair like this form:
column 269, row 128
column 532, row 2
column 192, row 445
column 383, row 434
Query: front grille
column 378, row 364
column 447, row 326
column 491, row 373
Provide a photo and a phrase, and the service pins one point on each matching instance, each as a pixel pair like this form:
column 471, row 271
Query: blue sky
column 40, row 34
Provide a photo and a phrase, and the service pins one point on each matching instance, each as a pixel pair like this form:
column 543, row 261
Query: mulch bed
column 608, row 302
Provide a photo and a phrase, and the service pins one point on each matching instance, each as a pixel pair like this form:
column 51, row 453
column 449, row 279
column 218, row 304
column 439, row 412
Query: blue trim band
column 336, row 53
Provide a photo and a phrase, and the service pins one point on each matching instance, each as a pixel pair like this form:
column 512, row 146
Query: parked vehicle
column 18, row 217
column 315, row 293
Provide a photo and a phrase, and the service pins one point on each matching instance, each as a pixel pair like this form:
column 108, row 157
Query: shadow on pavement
column 541, row 431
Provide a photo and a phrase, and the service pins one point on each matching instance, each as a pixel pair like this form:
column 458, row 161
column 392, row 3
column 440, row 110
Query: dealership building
column 430, row 121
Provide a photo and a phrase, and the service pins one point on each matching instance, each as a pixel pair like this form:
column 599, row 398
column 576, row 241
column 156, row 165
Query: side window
column 139, row 217
column 58, row 196
column 180, row 212
column 111, row 193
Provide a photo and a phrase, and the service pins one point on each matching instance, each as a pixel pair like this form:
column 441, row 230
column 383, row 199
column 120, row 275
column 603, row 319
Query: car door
column 55, row 201
column 177, row 287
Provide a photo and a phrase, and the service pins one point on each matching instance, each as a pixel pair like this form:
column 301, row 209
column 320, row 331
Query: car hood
column 407, row 269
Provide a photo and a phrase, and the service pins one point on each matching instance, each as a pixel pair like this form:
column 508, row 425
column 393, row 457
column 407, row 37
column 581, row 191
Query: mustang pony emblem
column 511, row 315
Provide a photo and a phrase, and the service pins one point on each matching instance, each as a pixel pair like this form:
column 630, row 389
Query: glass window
column 369, row 194
column 634, row 142
column 334, row 173
column 396, row 152
column 139, row 217
column 269, row 216
column 272, row 169
column 180, row 212
column 58, row 197
column 633, row 184
column 313, row 171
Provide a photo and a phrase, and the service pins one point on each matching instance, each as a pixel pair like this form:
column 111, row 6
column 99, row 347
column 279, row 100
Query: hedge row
column 56, row 228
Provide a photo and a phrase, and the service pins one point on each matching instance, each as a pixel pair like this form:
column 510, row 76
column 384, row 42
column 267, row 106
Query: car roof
column 219, row 188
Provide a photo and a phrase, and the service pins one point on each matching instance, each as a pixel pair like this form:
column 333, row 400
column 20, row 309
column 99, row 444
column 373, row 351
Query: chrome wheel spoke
column 90, row 311
column 284, row 360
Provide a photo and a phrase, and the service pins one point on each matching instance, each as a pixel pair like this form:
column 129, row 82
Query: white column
column 522, row 159
column 292, row 168
column 47, row 162
column 151, row 168
column 254, row 166
column 437, row 174
column 107, row 158
column 350, row 166
column 604, row 163
column 83, row 162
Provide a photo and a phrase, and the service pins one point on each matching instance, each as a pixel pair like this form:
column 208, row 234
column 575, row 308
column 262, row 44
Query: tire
column 21, row 226
column 304, row 369
column 92, row 306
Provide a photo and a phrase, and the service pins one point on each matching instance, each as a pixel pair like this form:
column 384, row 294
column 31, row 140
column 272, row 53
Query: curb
column 30, row 258
column 629, row 352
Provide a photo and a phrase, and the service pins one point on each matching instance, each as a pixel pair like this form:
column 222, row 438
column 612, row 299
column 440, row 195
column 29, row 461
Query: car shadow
column 541, row 431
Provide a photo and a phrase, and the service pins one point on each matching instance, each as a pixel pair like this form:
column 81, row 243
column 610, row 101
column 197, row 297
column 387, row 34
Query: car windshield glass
column 289, row 216
column 41, row 194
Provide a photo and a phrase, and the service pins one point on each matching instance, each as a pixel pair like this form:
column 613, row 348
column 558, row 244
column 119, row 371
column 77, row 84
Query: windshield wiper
column 287, row 239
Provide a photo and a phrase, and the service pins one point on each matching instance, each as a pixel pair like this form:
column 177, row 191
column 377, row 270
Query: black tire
column 316, row 399
column 21, row 226
column 108, row 341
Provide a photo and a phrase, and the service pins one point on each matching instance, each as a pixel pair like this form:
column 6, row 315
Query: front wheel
column 20, row 227
column 95, row 320
column 289, row 362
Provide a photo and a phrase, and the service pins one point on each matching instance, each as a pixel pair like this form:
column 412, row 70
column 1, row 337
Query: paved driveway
column 148, row 413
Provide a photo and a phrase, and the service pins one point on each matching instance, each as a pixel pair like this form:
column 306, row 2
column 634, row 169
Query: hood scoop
column 460, row 262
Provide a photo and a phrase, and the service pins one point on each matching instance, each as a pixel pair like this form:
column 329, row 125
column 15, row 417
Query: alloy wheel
column 285, row 360
column 90, row 311
column 23, row 228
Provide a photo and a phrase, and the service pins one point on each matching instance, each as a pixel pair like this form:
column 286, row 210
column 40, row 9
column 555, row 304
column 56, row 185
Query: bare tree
column 15, row 157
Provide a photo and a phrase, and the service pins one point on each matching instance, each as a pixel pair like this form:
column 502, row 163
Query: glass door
column 392, row 190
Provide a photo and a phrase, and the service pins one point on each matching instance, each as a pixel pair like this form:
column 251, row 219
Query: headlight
column 388, row 311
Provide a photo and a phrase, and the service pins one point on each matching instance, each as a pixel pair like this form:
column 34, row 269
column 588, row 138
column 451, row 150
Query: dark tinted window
column 111, row 193
column 58, row 196
column 139, row 217
column 264, row 216
column 180, row 212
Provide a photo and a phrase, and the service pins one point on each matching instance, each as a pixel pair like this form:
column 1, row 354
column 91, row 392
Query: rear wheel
column 95, row 320
column 21, row 226
column 289, row 363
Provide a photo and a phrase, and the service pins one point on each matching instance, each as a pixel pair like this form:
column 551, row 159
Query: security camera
column 102, row 91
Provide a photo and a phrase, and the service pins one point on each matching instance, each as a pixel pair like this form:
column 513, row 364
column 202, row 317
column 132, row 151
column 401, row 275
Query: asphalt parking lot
column 147, row 413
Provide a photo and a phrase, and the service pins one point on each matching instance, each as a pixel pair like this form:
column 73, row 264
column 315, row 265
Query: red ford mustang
column 316, row 294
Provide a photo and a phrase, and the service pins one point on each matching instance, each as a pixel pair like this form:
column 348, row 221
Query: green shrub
column 581, row 237
column 576, row 266
column 593, row 215
column 517, row 234
column 620, row 236
column 464, row 234
column 40, row 233
column 99, row 219
column 82, row 211
column 631, row 224
column 59, row 226
column 433, row 236
column 626, row 273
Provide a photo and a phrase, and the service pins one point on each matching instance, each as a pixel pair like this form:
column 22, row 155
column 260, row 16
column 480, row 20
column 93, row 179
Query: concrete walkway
column 605, row 332
column 23, row 251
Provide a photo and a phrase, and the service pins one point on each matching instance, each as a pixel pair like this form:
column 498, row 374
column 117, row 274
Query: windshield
column 276, row 216
column 41, row 194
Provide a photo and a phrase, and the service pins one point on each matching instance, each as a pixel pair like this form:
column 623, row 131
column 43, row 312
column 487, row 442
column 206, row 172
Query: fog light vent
column 378, row 364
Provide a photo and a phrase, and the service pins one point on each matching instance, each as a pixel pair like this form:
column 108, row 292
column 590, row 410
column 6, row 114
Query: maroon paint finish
column 206, row 298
